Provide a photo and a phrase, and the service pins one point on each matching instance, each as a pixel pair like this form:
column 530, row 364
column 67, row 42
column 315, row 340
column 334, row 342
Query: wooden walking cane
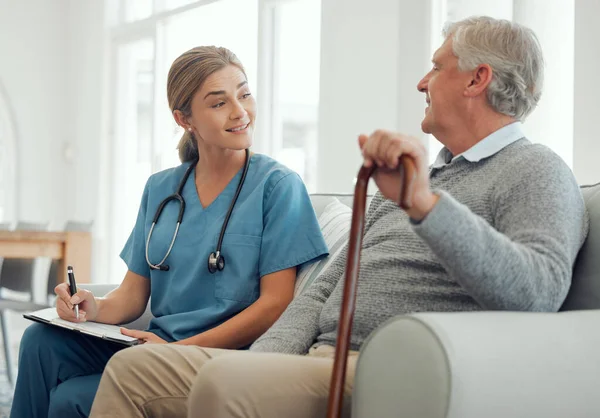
column 338, row 377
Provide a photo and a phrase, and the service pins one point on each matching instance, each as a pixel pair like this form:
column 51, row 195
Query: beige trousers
column 178, row 381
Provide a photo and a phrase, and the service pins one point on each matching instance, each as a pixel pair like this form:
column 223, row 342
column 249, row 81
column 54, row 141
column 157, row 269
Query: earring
column 190, row 129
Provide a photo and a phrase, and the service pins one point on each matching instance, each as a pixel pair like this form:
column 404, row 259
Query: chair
column 71, row 226
column 4, row 226
column 17, row 277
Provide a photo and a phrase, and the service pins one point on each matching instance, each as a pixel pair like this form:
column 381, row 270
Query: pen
column 73, row 288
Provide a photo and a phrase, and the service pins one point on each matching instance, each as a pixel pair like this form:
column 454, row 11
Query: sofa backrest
column 334, row 213
column 321, row 200
column 585, row 287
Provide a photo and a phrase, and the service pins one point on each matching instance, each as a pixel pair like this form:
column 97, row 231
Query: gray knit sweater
column 503, row 236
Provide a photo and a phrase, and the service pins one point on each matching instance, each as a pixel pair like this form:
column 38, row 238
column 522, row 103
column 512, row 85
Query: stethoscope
column 216, row 261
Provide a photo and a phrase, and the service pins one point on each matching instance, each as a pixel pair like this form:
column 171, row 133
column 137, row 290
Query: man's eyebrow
column 218, row 92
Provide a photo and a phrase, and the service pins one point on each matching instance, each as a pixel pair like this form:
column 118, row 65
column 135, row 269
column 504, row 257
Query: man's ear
column 181, row 119
column 481, row 77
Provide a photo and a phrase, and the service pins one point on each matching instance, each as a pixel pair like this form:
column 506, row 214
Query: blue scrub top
column 272, row 227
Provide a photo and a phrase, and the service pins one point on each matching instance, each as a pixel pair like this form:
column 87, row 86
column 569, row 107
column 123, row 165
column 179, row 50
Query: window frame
column 266, row 139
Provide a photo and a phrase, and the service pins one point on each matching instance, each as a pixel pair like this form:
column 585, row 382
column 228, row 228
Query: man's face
column 443, row 86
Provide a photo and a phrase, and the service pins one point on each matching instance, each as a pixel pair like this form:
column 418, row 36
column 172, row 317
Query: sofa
column 491, row 364
column 475, row 364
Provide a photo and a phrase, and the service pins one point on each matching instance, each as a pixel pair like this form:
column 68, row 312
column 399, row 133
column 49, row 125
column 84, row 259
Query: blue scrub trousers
column 59, row 372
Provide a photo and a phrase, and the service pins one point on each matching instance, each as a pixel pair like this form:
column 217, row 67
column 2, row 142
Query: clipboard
column 105, row 332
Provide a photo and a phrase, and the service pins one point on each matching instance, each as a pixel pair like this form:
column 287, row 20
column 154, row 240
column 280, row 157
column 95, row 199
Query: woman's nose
column 238, row 111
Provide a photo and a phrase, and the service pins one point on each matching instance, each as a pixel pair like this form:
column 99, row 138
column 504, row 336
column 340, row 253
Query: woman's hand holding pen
column 88, row 308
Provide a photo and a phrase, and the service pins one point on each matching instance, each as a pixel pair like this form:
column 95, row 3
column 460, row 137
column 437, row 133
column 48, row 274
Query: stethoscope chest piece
column 216, row 262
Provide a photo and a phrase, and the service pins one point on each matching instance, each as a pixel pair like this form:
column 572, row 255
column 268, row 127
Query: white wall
column 552, row 122
column 372, row 56
column 460, row 9
column 33, row 51
column 586, row 153
column 52, row 70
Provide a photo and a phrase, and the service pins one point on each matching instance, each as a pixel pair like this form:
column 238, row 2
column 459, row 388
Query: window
column 136, row 9
column 131, row 157
column 292, row 90
column 8, row 158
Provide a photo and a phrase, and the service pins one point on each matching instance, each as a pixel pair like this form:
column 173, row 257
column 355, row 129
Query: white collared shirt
column 485, row 148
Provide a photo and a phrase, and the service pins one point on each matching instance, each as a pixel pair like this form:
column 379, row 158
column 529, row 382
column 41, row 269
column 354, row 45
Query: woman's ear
column 181, row 119
column 481, row 77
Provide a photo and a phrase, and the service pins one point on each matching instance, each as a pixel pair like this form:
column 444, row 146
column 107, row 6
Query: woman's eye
column 218, row 105
column 245, row 96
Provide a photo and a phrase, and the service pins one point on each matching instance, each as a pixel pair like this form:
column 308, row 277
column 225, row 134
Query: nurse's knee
column 63, row 404
column 39, row 337
column 74, row 397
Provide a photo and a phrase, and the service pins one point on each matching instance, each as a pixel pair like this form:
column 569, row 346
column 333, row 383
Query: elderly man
column 496, row 225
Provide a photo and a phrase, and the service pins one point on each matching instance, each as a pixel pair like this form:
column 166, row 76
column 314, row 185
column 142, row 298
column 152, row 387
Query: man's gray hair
column 514, row 54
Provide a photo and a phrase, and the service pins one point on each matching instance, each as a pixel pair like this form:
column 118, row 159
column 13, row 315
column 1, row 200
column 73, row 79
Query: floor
column 17, row 325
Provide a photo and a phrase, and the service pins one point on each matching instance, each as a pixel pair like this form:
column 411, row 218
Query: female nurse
column 203, row 293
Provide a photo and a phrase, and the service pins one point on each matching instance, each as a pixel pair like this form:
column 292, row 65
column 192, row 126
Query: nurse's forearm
column 241, row 330
column 125, row 303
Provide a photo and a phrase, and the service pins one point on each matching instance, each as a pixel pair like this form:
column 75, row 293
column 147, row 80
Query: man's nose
column 422, row 85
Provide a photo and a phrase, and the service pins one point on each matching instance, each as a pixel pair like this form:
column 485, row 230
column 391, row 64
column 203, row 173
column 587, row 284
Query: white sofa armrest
column 101, row 289
column 484, row 364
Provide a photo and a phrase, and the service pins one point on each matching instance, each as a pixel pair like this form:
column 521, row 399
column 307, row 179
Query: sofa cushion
column 321, row 200
column 585, row 287
column 334, row 219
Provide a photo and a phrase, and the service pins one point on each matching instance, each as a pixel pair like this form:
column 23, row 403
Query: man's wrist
column 419, row 211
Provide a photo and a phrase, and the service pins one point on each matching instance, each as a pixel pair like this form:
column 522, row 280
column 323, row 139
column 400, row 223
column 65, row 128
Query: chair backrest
column 32, row 226
column 585, row 287
column 72, row 226
column 18, row 273
column 4, row 226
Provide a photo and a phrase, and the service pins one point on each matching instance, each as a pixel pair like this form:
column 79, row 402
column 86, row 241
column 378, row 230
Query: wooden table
column 70, row 248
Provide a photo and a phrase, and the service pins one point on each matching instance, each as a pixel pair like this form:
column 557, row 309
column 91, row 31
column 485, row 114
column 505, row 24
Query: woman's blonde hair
column 186, row 76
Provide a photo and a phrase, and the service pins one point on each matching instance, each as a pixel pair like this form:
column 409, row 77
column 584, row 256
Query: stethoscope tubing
column 178, row 196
